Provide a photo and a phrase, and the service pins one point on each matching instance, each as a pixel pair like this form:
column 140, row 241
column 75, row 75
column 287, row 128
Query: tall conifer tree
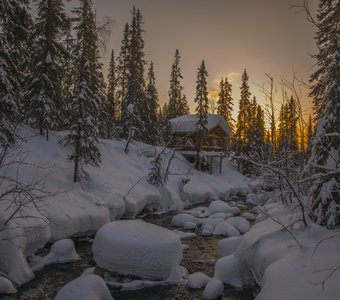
column 325, row 191
column 225, row 102
column 43, row 92
column 88, row 92
column 201, row 98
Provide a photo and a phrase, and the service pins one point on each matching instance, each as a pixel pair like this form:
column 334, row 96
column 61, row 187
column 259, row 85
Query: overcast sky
column 263, row 36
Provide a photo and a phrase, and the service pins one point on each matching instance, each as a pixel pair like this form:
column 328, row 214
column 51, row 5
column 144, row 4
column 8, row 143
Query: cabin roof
column 187, row 123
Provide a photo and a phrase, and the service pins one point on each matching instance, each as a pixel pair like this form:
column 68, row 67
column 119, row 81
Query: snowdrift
column 117, row 188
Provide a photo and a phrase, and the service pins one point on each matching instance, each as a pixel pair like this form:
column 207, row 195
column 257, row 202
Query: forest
column 52, row 81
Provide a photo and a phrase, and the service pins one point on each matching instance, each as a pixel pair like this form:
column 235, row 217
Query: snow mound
column 225, row 228
column 227, row 269
column 6, row 287
column 214, row 289
column 198, row 280
column 180, row 219
column 241, row 224
column 87, row 287
column 227, row 246
column 62, row 251
column 137, row 248
column 190, row 225
column 221, row 215
column 249, row 216
column 219, row 206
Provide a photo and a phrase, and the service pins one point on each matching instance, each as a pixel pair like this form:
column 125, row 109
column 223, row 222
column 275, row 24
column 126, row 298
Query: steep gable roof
column 187, row 123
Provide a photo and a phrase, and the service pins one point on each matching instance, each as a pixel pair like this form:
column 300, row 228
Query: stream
column 200, row 257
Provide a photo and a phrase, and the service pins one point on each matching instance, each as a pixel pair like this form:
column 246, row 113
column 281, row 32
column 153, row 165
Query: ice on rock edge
column 86, row 287
column 133, row 247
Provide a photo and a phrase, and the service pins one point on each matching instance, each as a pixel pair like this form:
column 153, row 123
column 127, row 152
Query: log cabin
column 187, row 140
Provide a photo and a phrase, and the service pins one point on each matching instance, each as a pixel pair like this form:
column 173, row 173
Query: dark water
column 199, row 257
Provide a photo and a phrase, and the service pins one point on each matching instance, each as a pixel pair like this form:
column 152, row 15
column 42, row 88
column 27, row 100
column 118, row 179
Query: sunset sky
column 264, row 36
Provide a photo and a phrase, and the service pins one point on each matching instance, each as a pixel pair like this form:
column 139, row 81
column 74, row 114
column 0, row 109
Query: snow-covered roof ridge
column 187, row 123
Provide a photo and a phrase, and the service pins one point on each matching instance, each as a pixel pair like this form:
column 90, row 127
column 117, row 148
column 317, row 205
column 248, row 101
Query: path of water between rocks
column 200, row 257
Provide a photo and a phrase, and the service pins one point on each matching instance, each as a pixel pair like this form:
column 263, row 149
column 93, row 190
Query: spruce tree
column 243, row 118
column 152, row 106
column 201, row 99
column 135, row 94
column 176, row 101
column 325, row 190
column 110, row 112
column 43, row 92
column 122, row 77
column 225, row 102
column 87, row 94
column 15, row 36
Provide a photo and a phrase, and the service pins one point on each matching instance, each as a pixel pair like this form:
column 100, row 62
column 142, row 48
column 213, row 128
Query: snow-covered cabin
column 186, row 139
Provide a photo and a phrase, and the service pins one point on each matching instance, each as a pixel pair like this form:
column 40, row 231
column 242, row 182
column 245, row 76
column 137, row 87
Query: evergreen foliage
column 155, row 177
column 177, row 102
column 43, row 92
column 201, row 99
column 152, row 106
column 88, row 93
column 325, row 191
column 15, row 35
column 225, row 102
column 243, row 118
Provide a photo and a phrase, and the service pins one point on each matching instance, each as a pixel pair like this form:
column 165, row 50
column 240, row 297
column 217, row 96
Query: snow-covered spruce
column 133, row 247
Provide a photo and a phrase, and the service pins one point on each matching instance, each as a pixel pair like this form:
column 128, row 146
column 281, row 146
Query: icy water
column 199, row 257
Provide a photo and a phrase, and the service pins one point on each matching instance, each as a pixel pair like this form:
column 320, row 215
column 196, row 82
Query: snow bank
column 132, row 247
column 87, row 287
column 269, row 256
column 78, row 209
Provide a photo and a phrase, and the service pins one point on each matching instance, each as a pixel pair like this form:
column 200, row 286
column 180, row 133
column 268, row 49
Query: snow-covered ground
column 298, row 263
column 117, row 188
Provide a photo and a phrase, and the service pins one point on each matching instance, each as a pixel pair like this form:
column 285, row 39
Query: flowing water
column 200, row 256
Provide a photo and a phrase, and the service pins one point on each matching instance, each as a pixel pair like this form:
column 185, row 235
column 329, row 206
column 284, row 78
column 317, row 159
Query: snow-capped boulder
column 249, row 216
column 241, row 224
column 228, row 270
column 212, row 222
column 207, row 230
column 198, row 280
column 214, row 289
column 133, row 247
column 180, row 219
column 190, row 225
column 87, row 287
column 221, row 215
column 6, row 287
column 228, row 245
column 62, row 251
column 219, row 206
column 225, row 228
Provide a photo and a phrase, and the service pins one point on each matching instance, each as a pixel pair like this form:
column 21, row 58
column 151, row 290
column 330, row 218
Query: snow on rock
column 180, row 219
column 228, row 245
column 241, row 224
column 198, row 212
column 185, row 247
column 228, row 270
column 221, row 215
column 182, row 234
column 197, row 280
column 86, row 287
column 270, row 257
column 6, row 287
column 214, row 289
column 190, row 225
column 62, row 251
column 207, row 230
column 225, row 228
column 133, row 247
column 249, row 216
column 212, row 222
column 219, row 206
